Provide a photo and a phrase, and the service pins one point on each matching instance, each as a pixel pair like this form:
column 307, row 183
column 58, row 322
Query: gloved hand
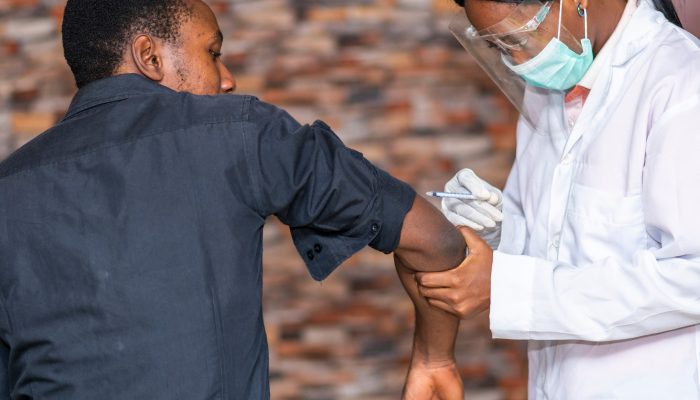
column 483, row 215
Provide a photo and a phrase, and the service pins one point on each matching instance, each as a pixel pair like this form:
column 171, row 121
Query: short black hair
column 96, row 32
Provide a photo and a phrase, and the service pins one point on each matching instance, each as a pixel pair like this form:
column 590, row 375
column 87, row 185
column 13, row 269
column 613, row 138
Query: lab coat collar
column 637, row 36
column 604, row 57
column 641, row 30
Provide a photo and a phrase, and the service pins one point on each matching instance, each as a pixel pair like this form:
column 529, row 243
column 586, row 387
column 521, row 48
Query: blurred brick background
column 395, row 85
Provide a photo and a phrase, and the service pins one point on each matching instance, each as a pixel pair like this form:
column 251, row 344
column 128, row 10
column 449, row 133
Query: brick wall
column 390, row 79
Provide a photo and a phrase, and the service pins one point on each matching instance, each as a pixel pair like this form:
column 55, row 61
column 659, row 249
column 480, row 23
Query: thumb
column 469, row 180
column 472, row 239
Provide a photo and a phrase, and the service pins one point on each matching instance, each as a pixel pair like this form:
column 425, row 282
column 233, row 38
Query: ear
column 147, row 57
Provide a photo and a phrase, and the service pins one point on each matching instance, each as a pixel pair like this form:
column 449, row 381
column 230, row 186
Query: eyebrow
column 219, row 36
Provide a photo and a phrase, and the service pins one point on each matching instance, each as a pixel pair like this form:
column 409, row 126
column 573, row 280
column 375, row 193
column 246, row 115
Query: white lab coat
column 599, row 263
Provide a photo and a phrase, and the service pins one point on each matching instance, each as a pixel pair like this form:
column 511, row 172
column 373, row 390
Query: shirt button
column 310, row 255
column 318, row 248
column 567, row 160
column 375, row 228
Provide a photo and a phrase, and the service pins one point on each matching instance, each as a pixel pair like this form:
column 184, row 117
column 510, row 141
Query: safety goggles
column 515, row 31
column 518, row 38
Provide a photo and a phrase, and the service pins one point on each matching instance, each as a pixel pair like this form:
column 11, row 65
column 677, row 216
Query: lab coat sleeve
column 654, row 290
column 514, row 229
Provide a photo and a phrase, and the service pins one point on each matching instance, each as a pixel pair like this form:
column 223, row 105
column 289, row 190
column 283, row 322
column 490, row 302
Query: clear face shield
column 517, row 39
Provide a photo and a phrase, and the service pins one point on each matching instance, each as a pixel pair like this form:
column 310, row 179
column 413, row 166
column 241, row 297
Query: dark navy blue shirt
column 131, row 240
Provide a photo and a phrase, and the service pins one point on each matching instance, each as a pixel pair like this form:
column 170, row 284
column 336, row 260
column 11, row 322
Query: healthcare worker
column 598, row 254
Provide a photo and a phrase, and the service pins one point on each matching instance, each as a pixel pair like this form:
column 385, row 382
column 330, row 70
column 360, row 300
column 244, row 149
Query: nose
column 228, row 83
column 520, row 57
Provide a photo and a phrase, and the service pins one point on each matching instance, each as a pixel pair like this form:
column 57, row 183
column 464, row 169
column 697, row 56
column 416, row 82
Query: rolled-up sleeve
column 334, row 200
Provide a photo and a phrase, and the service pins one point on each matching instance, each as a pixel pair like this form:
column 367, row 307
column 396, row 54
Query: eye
column 516, row 41
column 215, row 54
column 504, row 51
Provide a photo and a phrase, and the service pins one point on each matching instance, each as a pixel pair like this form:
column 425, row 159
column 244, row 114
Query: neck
column 607, row 15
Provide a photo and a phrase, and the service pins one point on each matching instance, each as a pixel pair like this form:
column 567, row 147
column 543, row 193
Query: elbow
column 446, row 251
column 454, row 249
column 429, row 242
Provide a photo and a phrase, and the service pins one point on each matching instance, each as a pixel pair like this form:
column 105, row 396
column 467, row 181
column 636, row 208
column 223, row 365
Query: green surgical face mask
column 557, row 67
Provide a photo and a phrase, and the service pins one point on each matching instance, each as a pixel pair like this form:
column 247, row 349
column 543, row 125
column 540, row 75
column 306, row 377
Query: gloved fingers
column 453, row 186
column 487, row 209
column 444, row 206
column 470, row 213
column 450, row 205
column 497, row 196
column 480, row 212
column 458, row 220
column 468, row 179
column 495, row 199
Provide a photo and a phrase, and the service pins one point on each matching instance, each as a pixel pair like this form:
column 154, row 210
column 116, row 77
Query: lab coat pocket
column 513, row 234
column 600, row 224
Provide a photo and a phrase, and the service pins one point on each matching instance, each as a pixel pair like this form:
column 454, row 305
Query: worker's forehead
column 486, row 13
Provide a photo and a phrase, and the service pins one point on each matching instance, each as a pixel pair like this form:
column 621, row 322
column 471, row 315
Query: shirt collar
column 642, row 29
column 604, row 57
column 112, row 89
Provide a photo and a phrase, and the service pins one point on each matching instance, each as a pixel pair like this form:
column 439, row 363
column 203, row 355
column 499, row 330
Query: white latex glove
column 483, row 215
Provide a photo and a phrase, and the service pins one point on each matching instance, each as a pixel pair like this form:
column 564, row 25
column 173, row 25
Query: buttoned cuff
column 380, row 228
column 512, row 296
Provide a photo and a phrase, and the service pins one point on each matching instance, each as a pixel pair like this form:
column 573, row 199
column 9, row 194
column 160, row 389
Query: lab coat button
column 567, row 160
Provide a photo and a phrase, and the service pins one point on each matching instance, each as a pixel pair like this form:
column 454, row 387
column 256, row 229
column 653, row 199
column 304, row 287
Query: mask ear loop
column 561, row 7
column 583, row 12
column 580, row 12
